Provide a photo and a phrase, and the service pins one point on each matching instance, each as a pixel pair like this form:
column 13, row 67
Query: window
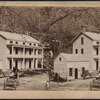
column 30, row 51
column 76, row 51
column 82, row 40
column 82, row 51
column 39, row 65
column 16, row 51
column 10, row 50
column 70, row 71
column 97, row 65
column 30, row 44
column 97, row 51
column 16, row 42
column 11, row 41
column 59, row 59
column 23, row 43
column 16, row 64
column 34, row 44
column 97, row 42
column 25, row 50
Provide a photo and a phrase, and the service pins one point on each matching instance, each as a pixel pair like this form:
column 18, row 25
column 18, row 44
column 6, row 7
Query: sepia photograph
column 49, row 48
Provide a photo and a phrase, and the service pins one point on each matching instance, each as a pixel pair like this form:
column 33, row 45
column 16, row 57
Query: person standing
column 15, row 70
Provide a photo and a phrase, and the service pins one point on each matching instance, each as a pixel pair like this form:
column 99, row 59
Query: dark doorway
column 10, row 64
column 76, row 73
column 97, row 65
column 97, row 51
column 29, row 63
column 16, row 64
column 16, row 51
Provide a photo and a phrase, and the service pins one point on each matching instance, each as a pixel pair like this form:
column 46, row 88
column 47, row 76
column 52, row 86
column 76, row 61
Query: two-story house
column 21, row 51
column 86, row 55
column 88, row 44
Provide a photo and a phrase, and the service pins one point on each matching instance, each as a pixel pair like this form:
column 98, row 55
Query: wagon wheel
column 90, row 85
column 4, row 85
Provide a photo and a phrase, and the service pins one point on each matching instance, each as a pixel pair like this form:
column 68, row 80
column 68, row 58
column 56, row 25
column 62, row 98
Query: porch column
column 99, row 64
column 42, row 52
column 24, row 51
column 99, row 51
column 42, row 63
column 33, row 64
column 36, row 63
column 33, row 52
column 36, row 51
column 23, row 66
column 12, row 57
column 99, row 58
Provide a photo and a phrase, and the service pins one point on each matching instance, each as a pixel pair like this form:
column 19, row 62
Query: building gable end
column 61, row 56
column 79, row 35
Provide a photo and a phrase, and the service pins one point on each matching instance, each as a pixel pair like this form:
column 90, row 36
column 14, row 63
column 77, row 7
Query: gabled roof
column 17, row 37
column 74, row 57
column 90, row 35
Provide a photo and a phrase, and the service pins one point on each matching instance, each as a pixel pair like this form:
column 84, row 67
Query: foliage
column 50, row 23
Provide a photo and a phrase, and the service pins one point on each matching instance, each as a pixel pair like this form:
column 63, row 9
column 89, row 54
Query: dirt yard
column 38, row 82
column 75, row 85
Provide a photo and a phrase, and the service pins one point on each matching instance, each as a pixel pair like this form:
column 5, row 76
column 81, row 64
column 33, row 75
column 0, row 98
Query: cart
column 10, row 83
column 95, row 84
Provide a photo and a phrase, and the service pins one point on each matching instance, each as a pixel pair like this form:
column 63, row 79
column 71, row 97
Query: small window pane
column 16, row 51
column 23, row 43
column 30, row 51
column 82, row 40
column 82, row 51
column 11, row 42
column 16, row 42
column 76, row 51
column 59, row 59
column 70, row 71
column 97, row 42
column 30, row 44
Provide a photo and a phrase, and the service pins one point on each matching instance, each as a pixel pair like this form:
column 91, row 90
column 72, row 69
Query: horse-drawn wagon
column 95, row 84
column 10, row 83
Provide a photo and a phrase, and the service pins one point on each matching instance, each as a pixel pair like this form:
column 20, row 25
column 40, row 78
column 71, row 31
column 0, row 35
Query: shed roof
column 74, row 57
column 18, row 37
column 90, row 35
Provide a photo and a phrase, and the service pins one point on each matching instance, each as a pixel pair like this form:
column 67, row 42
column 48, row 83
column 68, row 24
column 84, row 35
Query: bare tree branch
column 66, row 15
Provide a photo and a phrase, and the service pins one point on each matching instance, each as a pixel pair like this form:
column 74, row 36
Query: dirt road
column 38, row 83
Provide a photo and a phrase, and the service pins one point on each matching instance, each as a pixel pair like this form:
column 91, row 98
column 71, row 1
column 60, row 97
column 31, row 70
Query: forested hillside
column 50, row 23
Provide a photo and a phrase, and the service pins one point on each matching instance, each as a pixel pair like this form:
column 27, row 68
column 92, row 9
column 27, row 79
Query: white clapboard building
column 85, row 56
column 21, row 51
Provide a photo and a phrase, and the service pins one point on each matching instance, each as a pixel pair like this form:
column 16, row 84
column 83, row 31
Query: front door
column 16, row 64
column 97, row 65
column 76, row 73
